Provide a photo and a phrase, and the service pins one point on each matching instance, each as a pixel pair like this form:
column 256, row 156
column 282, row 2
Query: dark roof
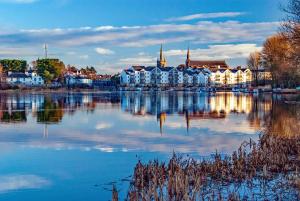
column 222, row 70
column 165, row 68
column 244, row 69
column 128, row 71
column 180, row 68
column 149, row 68
column 17, row 75
column 138, row 68
column 189, row 72
column 207, row 64
column 234, row 70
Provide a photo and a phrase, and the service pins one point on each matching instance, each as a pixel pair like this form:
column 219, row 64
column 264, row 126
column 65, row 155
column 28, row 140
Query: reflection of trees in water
column 275, row 116
column 13, row 112
column 50, row 112
column 284, row 119
column 13, row 117
column 50, row 108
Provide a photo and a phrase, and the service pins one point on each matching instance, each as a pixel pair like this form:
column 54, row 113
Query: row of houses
column 179, row 76
column 163, row 76
column 28, row 78
column 192, row 73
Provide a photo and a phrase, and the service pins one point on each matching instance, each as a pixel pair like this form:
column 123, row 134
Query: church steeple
column 161, row 62
column 187, row 62
column 161, row 53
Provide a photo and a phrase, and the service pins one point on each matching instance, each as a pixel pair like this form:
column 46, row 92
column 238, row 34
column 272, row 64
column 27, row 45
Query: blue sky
column 113, row 34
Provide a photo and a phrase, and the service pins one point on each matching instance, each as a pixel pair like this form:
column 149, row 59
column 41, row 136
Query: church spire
column 187, row 62
column 161, row 62
column 161, row 53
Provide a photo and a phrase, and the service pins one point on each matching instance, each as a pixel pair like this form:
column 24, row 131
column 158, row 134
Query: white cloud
column 21, row 182
column 228, row 51
column 140, row 60
column 103, row 51
column 17, row 51
column 205, row 16
column 84, row 57
column 204, row 32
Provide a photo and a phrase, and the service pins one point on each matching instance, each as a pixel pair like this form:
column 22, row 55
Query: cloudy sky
column 114, row 34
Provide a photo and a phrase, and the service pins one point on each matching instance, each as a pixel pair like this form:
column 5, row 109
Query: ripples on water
column 79, row 141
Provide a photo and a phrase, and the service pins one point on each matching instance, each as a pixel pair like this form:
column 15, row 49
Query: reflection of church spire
column 45, row 131
column 162, row 118
column 187, row 119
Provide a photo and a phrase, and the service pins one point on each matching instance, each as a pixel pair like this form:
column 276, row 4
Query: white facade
column 78, row 80
column 148, row 77
column 164, row 77
column 125, row 78
column 171, row 76
column 180, row 77
column 201, row 79
column 188, row 78
column 26, row 79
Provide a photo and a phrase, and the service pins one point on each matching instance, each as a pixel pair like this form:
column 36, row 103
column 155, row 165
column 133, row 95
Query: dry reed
column 266, row 170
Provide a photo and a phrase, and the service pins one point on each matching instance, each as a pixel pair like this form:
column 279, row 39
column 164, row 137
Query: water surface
column 71, row 146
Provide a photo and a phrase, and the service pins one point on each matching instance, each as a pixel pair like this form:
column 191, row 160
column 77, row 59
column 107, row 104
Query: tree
column 291, row 30
column 50, row 69
column 89, row 71
column 13, row 65
column 276, row 55
column 116, row 78
column 254, row 62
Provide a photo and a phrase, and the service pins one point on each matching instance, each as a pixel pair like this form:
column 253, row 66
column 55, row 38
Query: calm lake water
column 71, row 146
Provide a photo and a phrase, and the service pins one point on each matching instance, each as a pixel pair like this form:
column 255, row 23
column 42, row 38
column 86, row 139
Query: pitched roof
column 244, row 69
column 189, row 72
column 138, row 68
column 128, row 71
column 165, row 68
column 208, row 63
column 17, row 75
column 222, row 70
column 149, row 68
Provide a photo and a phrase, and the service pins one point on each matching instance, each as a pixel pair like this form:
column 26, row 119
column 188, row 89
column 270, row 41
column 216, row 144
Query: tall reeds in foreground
column 267, row 170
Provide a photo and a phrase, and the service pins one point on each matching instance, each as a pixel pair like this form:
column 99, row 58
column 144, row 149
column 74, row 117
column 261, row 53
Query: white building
column 201, row 78
column 78, row 80
column 188, row 78
column 29, row 78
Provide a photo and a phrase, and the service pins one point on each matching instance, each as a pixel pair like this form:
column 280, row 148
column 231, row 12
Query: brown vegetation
column 265, row 170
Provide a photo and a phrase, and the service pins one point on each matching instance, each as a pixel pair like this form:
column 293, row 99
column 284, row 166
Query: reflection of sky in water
column 85, row 140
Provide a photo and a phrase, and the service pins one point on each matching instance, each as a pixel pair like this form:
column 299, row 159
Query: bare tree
column 254, row 62
column 291, row 27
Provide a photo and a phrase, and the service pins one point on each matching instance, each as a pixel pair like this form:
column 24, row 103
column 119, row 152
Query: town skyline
column 132, row 35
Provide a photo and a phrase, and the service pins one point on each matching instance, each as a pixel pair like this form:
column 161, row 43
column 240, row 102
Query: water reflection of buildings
column 46, row 108
column 50, row 109
column 193, row 106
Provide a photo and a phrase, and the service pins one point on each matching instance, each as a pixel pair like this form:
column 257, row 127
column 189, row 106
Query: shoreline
column 194, row 90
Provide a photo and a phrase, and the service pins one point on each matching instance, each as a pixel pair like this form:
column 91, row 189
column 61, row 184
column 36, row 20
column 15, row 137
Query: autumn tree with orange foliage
column 277, row 57
column 281, row 52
